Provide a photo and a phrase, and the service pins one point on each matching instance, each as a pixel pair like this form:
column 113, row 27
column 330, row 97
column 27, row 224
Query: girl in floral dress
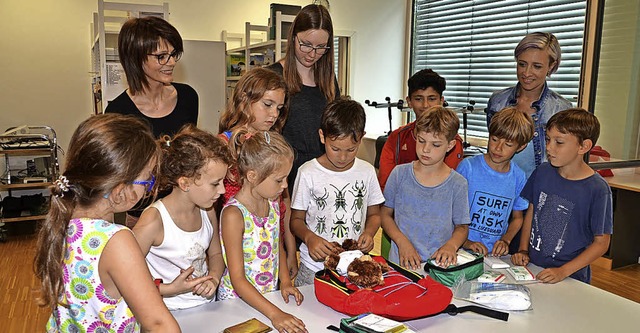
column 93, row 275
column 250, row 228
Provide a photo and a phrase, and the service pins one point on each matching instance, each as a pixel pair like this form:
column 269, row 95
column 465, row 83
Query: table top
column 568, row 306
column 625, row 181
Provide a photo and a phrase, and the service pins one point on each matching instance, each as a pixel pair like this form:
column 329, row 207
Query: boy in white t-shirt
column 336, row 196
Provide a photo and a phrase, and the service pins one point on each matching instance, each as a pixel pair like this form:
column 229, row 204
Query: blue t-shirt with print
column 492, row 197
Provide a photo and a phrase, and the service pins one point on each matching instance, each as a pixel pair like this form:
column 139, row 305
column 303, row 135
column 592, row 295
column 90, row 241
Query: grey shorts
column 305, row 276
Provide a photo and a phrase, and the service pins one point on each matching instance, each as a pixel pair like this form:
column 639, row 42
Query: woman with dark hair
column 149, row 48
column 307, row 69
column 537, row 57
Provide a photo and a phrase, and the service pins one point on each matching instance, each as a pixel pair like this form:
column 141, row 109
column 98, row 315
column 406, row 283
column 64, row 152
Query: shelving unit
column 278, row 45
column 108, row 79
column 22, row 143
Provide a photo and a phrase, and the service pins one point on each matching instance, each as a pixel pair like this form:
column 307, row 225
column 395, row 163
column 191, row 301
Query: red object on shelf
column 598, row 154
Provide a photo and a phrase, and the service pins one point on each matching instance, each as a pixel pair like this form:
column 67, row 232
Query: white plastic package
column 498, row 296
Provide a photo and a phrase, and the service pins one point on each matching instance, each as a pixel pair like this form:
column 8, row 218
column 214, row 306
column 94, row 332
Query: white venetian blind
column 471, row 43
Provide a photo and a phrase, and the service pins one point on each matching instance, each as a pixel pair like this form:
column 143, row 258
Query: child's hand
column 319, row 248
column 445, row 255
column 477, row 247
column 551, row 275
column 520, row 258
column 409, row 257
column 185, row 282
column 286, row 323
column 365, row 242
column 290, row 290
column 292, row 264
column 500, row 248
column 206, row 289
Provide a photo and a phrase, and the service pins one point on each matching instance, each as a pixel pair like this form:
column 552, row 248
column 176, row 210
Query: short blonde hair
column 513, row 125
column 541, row 41
column 438, row 120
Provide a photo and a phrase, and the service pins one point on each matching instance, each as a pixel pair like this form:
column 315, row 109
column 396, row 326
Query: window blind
column 470, row 43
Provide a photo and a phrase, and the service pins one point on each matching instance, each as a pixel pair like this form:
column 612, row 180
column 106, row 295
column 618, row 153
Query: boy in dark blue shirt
column 570, row 218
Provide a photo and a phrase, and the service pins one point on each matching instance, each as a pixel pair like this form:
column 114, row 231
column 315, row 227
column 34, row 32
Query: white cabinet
column 108, row 79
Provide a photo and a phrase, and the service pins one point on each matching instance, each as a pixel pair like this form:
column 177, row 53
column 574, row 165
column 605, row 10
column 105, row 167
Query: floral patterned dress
column 90, row 308
column 260, row 242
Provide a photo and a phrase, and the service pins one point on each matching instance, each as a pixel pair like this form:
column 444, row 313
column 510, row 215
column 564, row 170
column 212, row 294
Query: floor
column 19, row 287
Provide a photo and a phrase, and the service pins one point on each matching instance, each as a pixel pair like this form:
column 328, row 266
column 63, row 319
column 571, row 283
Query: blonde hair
column 513, row 125
column 263, row 152
column 438, row 120
column 541, row 41
column 250, row 89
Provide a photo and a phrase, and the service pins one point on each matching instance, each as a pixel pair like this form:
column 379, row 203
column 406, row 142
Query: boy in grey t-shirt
column 426, row 212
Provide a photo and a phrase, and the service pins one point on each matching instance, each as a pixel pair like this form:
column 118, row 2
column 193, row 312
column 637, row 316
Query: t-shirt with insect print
column 336, row 202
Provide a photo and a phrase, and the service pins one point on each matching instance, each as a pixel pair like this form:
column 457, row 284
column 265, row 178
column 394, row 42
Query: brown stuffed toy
column 364, row 272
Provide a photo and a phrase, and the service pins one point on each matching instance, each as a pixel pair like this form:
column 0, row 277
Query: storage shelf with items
column 30, row 165
column 260, row 45
column 108, row 79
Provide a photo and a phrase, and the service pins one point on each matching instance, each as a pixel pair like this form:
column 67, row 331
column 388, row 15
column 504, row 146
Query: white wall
column 45, row 52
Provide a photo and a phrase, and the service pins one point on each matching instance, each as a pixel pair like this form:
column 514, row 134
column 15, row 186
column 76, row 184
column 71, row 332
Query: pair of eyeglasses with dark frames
column 148, row 184
column 306, row 48
column 163, row 58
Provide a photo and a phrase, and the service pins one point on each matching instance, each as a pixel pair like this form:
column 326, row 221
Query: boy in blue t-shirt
column 495, row 183
column 426, row 210
column 569, row 221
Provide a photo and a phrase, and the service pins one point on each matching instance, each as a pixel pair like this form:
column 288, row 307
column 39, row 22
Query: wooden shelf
column 24, row 186
column 26, row 151
column 22, row 218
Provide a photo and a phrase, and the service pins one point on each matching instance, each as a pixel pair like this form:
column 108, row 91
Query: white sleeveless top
column 179, row 250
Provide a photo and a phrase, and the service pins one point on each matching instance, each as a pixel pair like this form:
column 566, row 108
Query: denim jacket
column 549, row 104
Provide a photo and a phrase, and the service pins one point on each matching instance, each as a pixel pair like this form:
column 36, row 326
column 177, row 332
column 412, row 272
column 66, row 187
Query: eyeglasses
column 148, row 184
column 306, row 48
column 163, row 58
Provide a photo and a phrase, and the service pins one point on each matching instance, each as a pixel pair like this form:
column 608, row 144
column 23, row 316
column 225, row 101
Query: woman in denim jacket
column 537, row 56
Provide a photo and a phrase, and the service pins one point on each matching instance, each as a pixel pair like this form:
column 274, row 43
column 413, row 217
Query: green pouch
column 449, row 275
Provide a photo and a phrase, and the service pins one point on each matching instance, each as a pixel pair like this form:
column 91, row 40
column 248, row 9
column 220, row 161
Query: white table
column 568, row 306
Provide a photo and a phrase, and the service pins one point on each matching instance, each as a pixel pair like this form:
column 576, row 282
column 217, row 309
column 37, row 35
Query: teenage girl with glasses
column 149, row 49
column 307, row 69
column 179, row 233
column 88, row 265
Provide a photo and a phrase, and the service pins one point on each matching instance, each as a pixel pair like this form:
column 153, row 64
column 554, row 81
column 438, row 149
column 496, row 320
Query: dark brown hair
column 513, row 125
column 343, row 117
column 262, row 152
column 251, row 88
column 438, row 120
column 138, row 38
column 105, row 151
column 187, row 152
column 577, row 122
column 311, row 17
